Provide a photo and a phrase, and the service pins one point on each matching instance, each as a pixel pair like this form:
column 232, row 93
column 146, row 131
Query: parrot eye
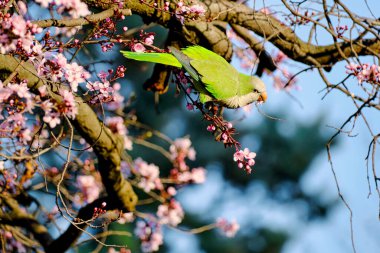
column 255, row 90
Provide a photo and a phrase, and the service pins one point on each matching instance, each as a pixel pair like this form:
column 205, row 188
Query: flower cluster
column 150, row 234
column 68, row 106
column 89, row 188
column 55, row 67
column 53, row 111
column 17, row 36
column 171, row 213
column 193, row 12
column 15, row 101
column 74, row 8
column 126, row 218
column 117, row 102
column 102, row 91
column 245, row 159
column 116, row 124
column 149, row 174
column 229, row 229
column 145, row 38
column 364, row 72
column 181, row 11
column 181, row 150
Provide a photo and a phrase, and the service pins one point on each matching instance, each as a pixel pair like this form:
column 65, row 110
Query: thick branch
column 82, row 21
column 262, row 24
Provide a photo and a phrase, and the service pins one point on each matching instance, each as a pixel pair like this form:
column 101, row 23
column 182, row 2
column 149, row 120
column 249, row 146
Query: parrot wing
column 162, row 58
column 221, row 80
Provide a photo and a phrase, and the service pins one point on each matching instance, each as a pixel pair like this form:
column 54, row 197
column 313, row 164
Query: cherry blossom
column 181, row 148
column 192, row 12
column 198, row 175
column 150, row 235
column 69, row 106
column 89, row 187
column 364, row 72
column 138, row 47
column 116, row 124
column 17, row 34
column 75, row 74
column 229, row 229
column 171, row 213
column 149, row 39
column 149, row 175
column 245, row 159
column 126, row 218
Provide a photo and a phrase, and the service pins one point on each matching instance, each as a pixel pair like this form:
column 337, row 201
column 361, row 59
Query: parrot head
column 259, row 89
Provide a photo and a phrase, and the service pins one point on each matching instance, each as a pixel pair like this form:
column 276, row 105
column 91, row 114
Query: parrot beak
column 263, row 97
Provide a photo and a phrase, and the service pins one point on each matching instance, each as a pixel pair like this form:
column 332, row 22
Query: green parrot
column 214, row 78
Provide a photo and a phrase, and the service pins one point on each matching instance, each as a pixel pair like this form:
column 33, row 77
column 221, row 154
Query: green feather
column 162, row 58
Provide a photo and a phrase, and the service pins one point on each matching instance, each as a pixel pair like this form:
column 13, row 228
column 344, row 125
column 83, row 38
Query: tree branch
column 94, row 18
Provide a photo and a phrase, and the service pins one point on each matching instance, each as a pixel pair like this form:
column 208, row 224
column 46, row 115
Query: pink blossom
column 75, row 75
column 69, row 105
column 89, row 188
column 197, row 9
column 245, row 159
column 126, row 218
column 364, row 72
column 211, row 128
column 150, row 235
column 116, row 124
column 102, row 91
column 138, row 47
column 18, row 120
column 171, row 213
column 149, row 40
column 120, row 250
column 19, row 26
column 184, row 177
column 21, row 89
column 117, row 101
column 181, row 148
column 25, row 136
column 228, row 228
column 52, row 118
column 149, row 175
column 172, row 191
column 198, row 175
